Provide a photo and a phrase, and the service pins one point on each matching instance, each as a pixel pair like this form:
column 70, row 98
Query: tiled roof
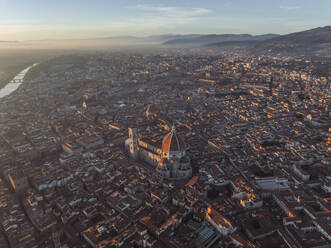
column 173, row 142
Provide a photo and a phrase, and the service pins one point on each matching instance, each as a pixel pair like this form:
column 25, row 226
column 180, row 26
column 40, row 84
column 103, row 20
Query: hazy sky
column 66, row 19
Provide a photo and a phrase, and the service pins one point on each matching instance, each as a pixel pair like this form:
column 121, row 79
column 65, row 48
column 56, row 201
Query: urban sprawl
column 225, row 150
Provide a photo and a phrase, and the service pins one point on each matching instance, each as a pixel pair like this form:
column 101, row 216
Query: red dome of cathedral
column 172, row 142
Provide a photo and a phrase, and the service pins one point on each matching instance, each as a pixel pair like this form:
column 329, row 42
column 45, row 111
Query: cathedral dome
column 173, row 142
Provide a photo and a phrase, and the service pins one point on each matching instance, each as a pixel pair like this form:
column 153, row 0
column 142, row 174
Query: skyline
column 42, row 20
column 165, row 123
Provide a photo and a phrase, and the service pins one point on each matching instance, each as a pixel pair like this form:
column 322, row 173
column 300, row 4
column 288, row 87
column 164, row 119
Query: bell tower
column 133, row 143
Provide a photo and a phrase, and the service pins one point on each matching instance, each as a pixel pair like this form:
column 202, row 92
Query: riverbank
column 15, row 83
column 8, row 75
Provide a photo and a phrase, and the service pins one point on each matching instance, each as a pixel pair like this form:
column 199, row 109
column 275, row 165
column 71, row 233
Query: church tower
column 133, row 143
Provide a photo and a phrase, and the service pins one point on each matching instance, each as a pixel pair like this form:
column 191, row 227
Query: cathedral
column 169, row 157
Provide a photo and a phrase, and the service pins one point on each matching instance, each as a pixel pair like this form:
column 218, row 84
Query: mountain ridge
column 214, row 38
column 312, row 41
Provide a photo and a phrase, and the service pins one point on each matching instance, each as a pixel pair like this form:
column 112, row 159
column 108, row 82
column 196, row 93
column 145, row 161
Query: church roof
column 173, row 142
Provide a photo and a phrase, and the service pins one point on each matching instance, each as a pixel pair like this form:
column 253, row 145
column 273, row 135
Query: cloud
column 155, row 20
column 289, row 7
column 174, row 11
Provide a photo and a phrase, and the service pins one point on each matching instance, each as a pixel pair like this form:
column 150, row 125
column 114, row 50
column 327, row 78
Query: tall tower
column 302, row 88
column 133, row 139
column 271, row 85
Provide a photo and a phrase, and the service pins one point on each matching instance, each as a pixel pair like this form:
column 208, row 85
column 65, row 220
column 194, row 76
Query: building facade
column 170, row 159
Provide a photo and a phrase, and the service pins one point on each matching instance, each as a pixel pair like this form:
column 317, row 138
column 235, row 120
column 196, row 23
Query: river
column 15, row 82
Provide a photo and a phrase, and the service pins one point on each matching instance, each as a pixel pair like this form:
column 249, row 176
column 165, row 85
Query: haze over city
column 81, row 19
column 165, row 124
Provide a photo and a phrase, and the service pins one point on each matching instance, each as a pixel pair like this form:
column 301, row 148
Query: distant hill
column 217, row 38
column 152, row 38
column 314, row 41
column 192, row 39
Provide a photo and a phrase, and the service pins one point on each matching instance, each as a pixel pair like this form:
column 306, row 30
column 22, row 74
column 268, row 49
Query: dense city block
column 172, row 148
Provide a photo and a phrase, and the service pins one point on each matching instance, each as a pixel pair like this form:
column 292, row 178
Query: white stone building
column 170, row 160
